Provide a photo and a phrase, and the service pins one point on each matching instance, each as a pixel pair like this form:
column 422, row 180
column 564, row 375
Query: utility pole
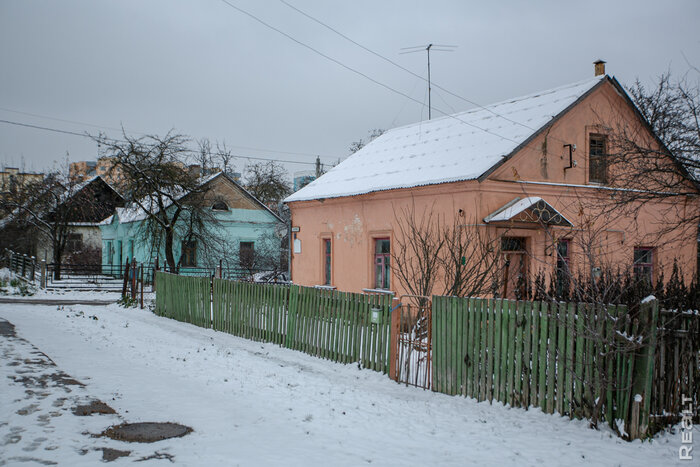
column 318, row 166
column 439, row 48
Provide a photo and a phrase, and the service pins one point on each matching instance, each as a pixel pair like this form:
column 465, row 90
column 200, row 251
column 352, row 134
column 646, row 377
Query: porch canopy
column 532, row 209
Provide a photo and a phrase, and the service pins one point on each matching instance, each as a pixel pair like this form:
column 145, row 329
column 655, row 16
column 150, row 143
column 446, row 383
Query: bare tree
column 157, row 185
column 225, row 157
column 47, row 208
column 663, row 165
column 360, row 143
column 260, row 260
column 267, row 181
column 434, row 256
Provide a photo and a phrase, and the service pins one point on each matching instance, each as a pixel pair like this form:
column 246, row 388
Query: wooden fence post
column 644, row 371
column 141, row 274
column 126, row 278
column 24, row 265
column 292, row 315
column 42, row 280
column 394, row 330
column 134, row 278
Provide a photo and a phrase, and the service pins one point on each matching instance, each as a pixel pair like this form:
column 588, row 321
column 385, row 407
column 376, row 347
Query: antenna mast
column 438, row 48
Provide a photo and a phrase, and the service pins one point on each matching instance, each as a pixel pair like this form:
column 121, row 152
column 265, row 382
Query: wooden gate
column 411, row 335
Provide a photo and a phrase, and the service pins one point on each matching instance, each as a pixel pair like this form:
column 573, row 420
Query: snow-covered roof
column 462, row 146
column 530, row 209
column 134, row 212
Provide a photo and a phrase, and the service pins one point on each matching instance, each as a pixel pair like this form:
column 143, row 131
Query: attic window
column 220, row 206
column 597, row 163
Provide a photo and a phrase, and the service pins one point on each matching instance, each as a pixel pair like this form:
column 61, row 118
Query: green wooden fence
column 561, row 357
column 186, row 299
column 253, row 311
column 338, row 326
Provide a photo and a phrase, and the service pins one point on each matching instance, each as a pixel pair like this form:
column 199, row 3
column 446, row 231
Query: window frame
column 639, row 269
column 219, row 203
column 600, row 160
column 241, row 259
column 382, row 281
column 188, row 256
column 563, row 268
column 327, row 256
column 74, row 240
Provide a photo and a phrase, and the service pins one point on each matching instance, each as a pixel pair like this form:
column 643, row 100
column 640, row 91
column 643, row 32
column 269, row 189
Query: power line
column 349, row 68
column 418, row 47
column 191, row 151
column 84, row 135
column 75, row 122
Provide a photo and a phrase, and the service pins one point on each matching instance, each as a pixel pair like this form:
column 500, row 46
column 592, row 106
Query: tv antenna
column 427, row 48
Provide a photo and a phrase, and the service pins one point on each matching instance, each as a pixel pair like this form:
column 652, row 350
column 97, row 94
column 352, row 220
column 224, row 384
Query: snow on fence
column 342, row 327
column 578, row 360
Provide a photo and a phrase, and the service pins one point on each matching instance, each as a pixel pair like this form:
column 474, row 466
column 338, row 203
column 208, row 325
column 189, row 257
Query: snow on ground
column 258, row 404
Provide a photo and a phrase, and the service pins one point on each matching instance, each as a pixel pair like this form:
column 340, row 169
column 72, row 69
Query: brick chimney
column 599, row 67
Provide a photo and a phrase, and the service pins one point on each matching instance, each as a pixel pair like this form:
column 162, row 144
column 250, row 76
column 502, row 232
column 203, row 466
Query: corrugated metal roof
column 462, row 146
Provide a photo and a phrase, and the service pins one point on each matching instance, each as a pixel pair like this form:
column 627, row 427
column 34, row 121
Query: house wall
column 92, row 238
column 245, row 221
column 537, row 169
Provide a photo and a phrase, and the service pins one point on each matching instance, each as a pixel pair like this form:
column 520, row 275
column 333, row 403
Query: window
column 513, row 244
column 189, row 253
column 110, row 253
column 644, row 264
column 131, row 249
column 246, row 254
column 327, row 261
column 74, row 242
column 563, row 267
column 220, row 206
column 597, row 163
column 382, row 254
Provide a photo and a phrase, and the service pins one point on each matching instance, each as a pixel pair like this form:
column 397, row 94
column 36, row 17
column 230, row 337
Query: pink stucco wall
column 538, row 169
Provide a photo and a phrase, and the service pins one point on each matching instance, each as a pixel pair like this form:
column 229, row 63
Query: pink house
column 533, row 172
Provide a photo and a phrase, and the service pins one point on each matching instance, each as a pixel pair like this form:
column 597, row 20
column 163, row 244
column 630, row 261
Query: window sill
column 382, row 291
column 325, row 287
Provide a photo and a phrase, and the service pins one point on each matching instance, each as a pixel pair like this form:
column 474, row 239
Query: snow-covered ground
column 259, row 404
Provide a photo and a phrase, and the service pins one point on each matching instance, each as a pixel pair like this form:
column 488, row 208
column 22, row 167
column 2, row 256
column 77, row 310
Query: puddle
column 146, row 432
column 98, row 407
column 109, row 454
column 7, row 329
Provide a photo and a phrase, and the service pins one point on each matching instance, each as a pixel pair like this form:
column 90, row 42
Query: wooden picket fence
column 676, row 365
column 547, row 355
column 253, row 311
column 186, row 299
column 338, row 326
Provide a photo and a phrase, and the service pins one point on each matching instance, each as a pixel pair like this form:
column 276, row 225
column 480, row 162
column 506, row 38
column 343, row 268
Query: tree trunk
column 169, row 257
column 57, row 254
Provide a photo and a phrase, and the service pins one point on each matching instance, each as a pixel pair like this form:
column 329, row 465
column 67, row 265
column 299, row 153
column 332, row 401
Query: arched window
column 220, row 206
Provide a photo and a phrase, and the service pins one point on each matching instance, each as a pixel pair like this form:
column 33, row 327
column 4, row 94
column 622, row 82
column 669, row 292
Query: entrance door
column 514, row 278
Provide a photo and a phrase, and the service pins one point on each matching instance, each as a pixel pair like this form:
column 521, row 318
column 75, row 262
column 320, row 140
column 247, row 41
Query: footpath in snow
column 257, row 404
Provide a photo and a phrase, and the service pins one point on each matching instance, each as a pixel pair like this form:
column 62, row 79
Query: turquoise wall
column 122, row 240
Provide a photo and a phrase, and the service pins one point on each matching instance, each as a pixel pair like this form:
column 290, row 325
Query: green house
column 241, row 229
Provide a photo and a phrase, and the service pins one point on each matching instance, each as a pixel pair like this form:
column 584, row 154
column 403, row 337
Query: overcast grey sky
column 207, row 70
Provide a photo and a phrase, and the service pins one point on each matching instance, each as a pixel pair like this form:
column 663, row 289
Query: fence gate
column 411, row 331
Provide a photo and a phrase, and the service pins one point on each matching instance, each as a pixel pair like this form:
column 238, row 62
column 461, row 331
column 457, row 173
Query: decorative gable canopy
column 459, row 147
column 532, row 209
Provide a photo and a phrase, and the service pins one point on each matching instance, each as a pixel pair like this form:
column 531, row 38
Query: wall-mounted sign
column 295, row 229
column 297, row 246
